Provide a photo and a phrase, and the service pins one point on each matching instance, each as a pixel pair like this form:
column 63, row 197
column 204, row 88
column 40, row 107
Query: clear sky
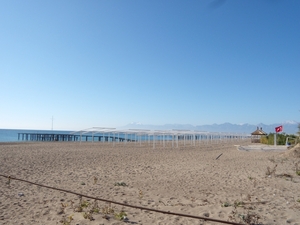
column 113, row 62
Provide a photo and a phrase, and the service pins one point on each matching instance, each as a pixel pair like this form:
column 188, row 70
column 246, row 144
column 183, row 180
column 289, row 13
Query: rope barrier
column 123, row 204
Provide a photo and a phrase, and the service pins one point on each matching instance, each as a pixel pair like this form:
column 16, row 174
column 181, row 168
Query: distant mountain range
column 289, row 127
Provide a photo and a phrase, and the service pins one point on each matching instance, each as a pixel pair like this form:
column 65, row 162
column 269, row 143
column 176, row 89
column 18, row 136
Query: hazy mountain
column 289, row 127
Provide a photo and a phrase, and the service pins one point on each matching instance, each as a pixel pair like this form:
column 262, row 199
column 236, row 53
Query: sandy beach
column 257, row 186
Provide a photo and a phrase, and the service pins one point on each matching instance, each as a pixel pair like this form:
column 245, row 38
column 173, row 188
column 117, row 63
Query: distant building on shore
column 256, row 135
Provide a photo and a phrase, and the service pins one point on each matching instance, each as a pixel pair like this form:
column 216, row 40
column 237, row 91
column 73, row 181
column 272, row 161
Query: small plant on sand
column 95, row 180
column 88, row 215
column 63, row 208
column 244, row 214
column 72, row 204
column 232, row 216
column 84, row 204
column 235, row 204
column 121, row 216
column 77, row 208
column 250, row 218
column 238, row 203
column 86, row 208
column 67, row 221
column 80, row 206
column 95, row 208
column 107, row 210
column 141, row 195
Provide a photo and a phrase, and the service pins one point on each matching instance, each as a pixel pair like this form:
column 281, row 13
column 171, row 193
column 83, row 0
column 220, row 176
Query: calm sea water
column 10, row 135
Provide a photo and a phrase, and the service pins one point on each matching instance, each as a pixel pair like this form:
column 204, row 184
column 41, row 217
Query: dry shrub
column 270, row 171
column 293, row 152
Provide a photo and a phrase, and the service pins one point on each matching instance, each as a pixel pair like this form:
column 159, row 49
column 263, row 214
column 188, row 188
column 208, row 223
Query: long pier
column 68, row 137
column 156, row 137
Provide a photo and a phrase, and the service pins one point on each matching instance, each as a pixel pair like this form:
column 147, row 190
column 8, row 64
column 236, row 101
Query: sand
column 187, row 180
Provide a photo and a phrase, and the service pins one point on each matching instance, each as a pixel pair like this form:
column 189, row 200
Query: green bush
column 280, row 139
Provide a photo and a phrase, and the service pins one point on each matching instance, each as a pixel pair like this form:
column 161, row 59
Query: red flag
column 278, row 129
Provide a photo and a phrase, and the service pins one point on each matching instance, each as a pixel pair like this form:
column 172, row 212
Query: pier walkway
column 102, row 134
column 68, row 137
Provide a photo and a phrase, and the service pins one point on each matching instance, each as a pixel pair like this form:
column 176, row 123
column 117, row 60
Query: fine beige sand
column 188, row 180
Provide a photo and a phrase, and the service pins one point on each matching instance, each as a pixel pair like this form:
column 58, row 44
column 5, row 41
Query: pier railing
column 173, row 138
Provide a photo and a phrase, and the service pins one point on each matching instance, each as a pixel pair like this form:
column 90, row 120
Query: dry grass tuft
column 243, row 211
column 270, row 171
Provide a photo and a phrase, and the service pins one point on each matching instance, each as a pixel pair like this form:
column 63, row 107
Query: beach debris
column 121, row 184
column 105, row 217
column 297, row 169
column 285, row 175
column 219, row 156
column 206, row 214
column 162, row 202
column 82, row 183
column 226, row 204
column 20, row 194
column 95, row 180
column 9, row 179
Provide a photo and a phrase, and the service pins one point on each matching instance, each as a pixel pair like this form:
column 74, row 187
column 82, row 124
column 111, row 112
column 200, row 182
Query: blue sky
column 113, row 62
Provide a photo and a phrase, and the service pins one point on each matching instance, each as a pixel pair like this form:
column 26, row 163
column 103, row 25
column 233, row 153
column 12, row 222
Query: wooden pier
column 69, row 137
